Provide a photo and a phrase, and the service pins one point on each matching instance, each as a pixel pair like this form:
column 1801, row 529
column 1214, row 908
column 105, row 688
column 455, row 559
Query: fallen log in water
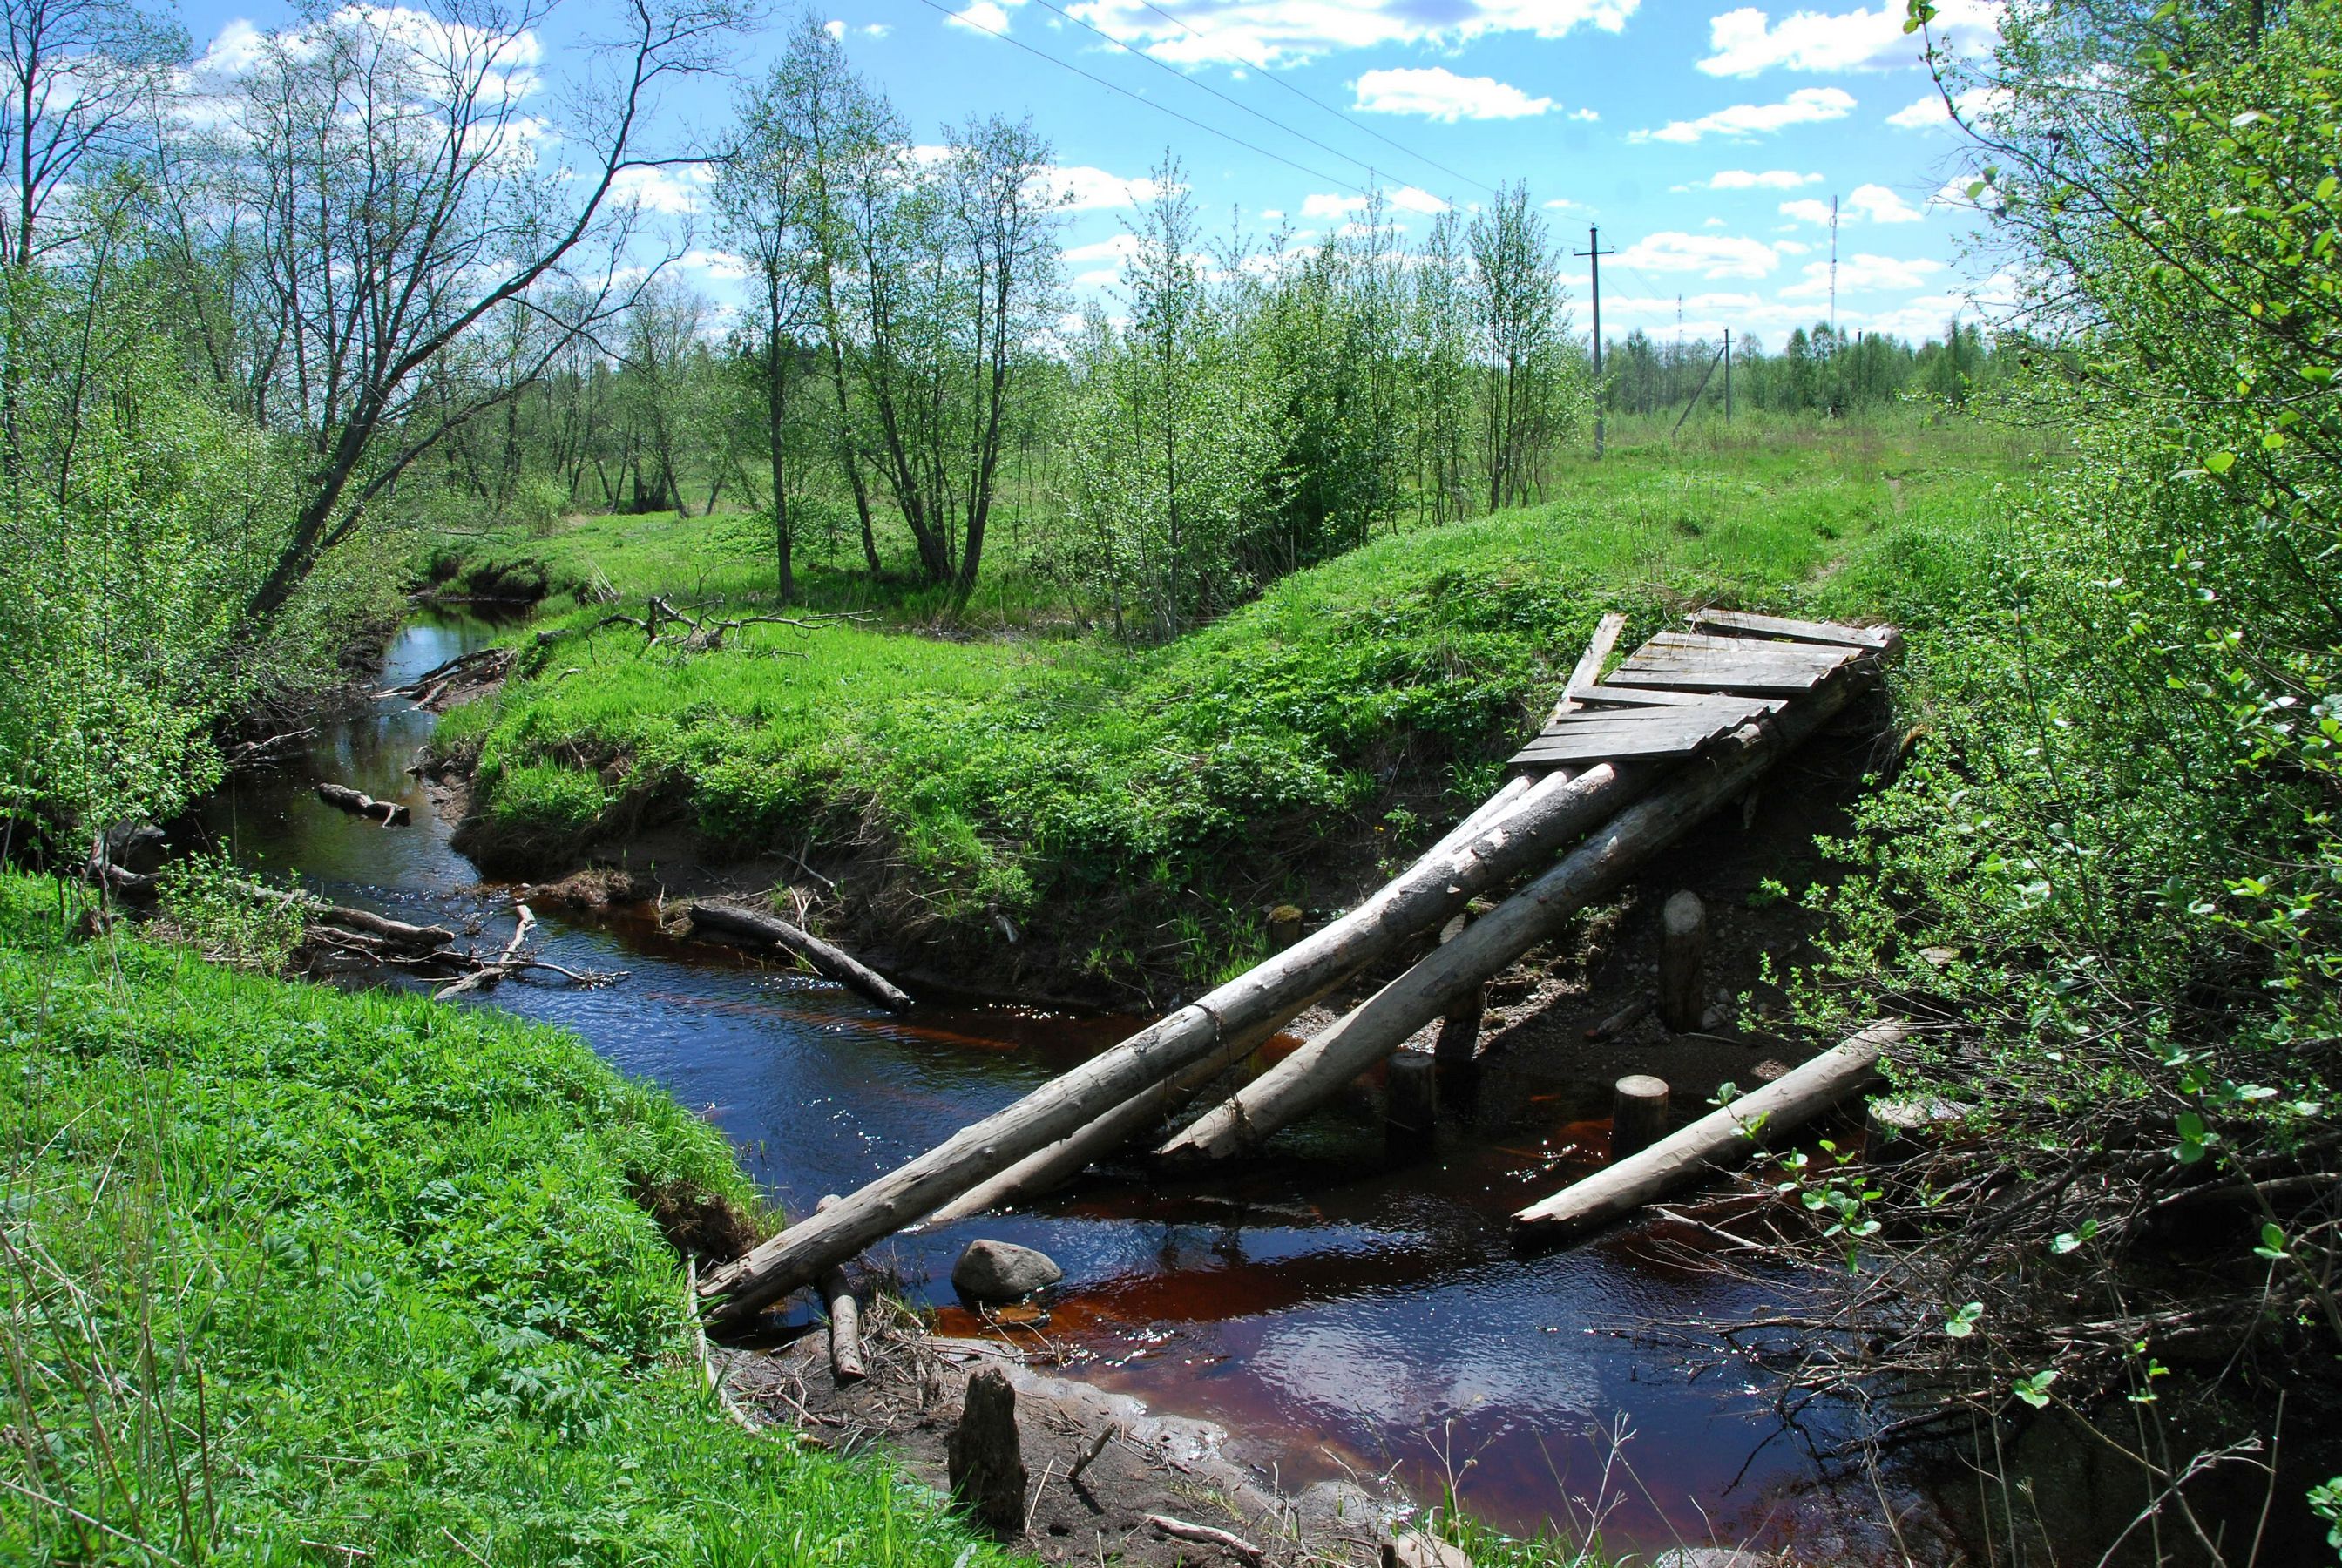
column 1447, row 976
column 1713, row 1142
column 1547, row 815
column 835, row 961
column 844, row 1317
column 357, row 803
column 1062, row 1160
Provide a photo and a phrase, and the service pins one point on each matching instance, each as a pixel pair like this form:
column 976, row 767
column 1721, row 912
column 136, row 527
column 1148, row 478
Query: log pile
column 1623, row 811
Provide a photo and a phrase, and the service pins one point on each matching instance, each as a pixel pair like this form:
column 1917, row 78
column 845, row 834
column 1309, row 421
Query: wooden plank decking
column 1683, row 690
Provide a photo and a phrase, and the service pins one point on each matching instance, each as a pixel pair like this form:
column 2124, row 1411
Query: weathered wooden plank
column 1881, row 638
column 1645, row 697
column 1588, row 669
column 1610, row 748
column 1776, row 682
column 1737, row 650
column 1707, row 642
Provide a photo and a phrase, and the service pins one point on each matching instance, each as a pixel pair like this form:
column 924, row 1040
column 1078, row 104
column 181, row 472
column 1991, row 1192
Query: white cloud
column 1325, row 205
column 654, row 190
column 1713, row 223
column 1089, row 189
column 875, row 30
column 1710, row 255
column 980, row 16
column 1749, row 41
column 1766, row 180
column 1807, row 210
column 1280, row 32
column 1113, row 248
column 721, row 264
column 1861, row 271
column 1977, row 106
column 1588, row 116
column 1439, row 93
column 835, row 28
column 1564, row 204
column 1408, row 199
column 1792, row 247
column 1803, row 106
column 1099, row 277
column 1881, row 205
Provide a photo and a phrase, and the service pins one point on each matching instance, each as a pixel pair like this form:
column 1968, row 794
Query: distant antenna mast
column 1833, row 274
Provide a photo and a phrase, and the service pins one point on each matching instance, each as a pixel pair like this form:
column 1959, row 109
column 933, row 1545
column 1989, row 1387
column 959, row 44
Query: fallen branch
column 487, row 975
column 390, row 813
column 1206, row 1535
column 833, row 961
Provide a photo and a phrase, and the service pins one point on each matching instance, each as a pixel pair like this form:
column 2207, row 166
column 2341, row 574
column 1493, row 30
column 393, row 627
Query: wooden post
column 1540, row 818
column 986, row 1454
column 1283, row 928
column 1638, row 1114
column 844, row 1317
column 1683, row 963
column 1459, row 1032
column 1714, row 1141
column 1411, row 1112
column 1377, row 1027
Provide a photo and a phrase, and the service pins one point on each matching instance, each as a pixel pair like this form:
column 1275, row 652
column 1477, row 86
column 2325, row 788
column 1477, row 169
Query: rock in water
column 986, row 1456
column 1001, row 1271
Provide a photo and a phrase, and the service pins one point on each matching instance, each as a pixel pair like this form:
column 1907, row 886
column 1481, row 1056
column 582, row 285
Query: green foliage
column 286, row 1265
column 1007, row 772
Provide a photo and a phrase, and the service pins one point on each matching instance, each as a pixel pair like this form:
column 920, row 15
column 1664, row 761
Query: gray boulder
column 993, row 1271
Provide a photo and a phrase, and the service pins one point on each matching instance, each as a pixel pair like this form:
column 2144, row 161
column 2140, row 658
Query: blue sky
column 1705, row 139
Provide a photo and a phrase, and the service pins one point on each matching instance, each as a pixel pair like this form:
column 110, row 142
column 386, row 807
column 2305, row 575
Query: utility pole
column 1727, row 375
column 1594, row 253
column 1833, row 274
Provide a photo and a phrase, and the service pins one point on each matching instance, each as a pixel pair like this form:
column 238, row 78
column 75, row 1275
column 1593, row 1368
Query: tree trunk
column 1550, row 814
column 1317, row 1072
column 833, row 961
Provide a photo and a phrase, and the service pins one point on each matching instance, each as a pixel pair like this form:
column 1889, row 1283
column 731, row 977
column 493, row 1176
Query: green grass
column 1352, row 704
column 293, row 1275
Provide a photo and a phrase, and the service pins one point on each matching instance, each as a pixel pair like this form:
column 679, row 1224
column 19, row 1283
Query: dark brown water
column 1343, row 1317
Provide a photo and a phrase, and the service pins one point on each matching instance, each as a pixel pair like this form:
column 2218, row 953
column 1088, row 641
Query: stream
column 1339, row 1316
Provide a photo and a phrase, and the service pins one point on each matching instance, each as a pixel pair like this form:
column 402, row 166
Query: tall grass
column 292, row 1275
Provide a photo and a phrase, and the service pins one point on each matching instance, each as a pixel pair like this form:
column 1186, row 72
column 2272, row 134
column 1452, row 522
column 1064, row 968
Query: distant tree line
column 1816, row 371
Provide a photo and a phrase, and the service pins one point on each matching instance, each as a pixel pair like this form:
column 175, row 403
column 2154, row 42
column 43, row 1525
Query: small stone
column 1769, row 1069
column 1707, row 1557
column 1724, row 994
column 992, row 1271
column 1414, row 1549
column 1715, row 1018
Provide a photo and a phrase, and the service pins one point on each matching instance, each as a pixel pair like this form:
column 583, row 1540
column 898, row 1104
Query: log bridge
column 1628, row 762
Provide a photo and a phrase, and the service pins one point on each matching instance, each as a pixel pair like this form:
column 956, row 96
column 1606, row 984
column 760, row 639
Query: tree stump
column 987, row 1456
column 1411, row 1115
column 1638, row 1114
column 1682, row 958
column 1283, row 928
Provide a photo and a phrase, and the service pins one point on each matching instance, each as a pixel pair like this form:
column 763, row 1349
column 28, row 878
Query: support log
column 1411, row 1111
column 844, row 1317
column 986, row 1454
column 1638, row 1114
column 1713, row 1142
column 1683, row 963
column 1545, row 814
column 1317, row 1072
column 833, row 961
column 341, row 798
column 1062, row 1160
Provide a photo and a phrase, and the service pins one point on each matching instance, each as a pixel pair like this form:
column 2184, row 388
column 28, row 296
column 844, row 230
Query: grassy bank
column 295, row 1275
column 1332, row 723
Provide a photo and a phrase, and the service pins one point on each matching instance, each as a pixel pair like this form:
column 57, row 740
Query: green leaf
column 2220, row 462
column 1962, row 1324
column 2034, row 1390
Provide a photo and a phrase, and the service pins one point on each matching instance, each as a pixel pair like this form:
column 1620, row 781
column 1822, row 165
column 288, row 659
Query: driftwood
column 1317, row 1072
column 1683, row 959
column 833, row 961
column 388, row 812
column 480, row 663
column 700, row 634
column 1712, row 1143
column 510, row 963
column 1206, row 1535
column 266, row 749
column 1546, row 815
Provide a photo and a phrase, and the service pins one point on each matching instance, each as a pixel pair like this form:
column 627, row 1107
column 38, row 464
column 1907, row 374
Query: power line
column 943, row 10
column 1206, row 86
column 1338, row 113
